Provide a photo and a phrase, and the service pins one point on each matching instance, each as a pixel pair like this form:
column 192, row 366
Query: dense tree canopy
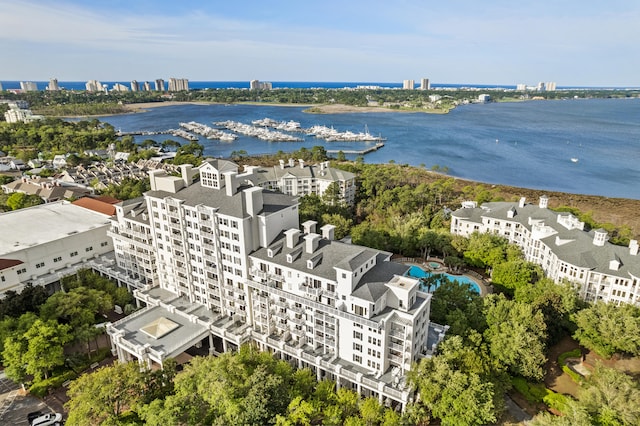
column 517, row 335
column 607, row 328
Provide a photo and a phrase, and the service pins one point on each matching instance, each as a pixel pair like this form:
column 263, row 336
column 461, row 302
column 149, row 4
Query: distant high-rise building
column 28, row 86
column 521, row 87
column 408, row 84
column 135, row 86
column 550, row 86
column 424, row 84
column 1, row 89
column 541, row 87
column 178, row 84
column 93, row 86
column 257, row 85
column 159, row 85
column 147, row 86
column 119, row 88
column 53, row 85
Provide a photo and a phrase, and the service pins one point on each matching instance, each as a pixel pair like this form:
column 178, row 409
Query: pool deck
column 475, row 277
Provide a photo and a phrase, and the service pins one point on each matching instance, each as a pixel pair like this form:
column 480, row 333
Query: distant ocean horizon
column 80, row 85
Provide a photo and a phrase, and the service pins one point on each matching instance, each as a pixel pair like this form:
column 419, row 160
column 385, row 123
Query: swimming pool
column 418, row 272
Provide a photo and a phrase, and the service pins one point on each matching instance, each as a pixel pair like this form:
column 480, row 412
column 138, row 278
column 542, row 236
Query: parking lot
column 15, row 405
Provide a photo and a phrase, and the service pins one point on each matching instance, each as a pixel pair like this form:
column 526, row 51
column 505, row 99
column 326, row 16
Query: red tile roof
column 8, row 263
column 96, row 205
column 107, row 199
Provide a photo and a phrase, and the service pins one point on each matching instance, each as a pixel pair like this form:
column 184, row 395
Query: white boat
column 574, row 160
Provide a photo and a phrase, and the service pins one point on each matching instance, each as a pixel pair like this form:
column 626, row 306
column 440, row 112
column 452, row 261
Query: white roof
column 45, row 223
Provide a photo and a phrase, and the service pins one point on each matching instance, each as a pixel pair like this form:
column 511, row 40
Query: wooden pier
column 357, row 152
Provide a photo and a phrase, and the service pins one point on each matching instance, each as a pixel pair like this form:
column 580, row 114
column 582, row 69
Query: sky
column 570, row 42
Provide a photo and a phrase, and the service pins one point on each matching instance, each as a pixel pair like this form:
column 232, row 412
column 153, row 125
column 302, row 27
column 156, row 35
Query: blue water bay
column 528, row 144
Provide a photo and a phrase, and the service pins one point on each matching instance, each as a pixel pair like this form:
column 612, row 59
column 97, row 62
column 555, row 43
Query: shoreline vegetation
column 310, row 108
column 63, row 111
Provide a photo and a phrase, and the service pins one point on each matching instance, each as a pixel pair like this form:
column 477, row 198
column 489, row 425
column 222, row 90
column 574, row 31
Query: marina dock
column 357, row 152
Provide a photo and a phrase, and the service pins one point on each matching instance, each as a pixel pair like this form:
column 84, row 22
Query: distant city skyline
column 462, row 41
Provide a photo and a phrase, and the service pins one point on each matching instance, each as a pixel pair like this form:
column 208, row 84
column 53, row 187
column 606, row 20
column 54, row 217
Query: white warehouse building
column 221, row 262
column 559, row 244
column 41, row 244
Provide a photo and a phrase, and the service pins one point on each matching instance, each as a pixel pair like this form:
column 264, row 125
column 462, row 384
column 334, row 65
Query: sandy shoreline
column 142, row 106
column 311, row 108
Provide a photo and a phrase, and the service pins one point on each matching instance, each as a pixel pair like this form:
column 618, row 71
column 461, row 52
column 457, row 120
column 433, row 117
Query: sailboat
column 574, row 160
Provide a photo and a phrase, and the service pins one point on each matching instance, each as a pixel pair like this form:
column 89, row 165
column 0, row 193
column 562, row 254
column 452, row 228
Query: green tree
column 28, row 300
column 248, row 387
column 513, row 274
column 557, row 302
column 516, row 333
column 102, row 396
column 333, row 195
column 486, row 250
column 453, row 396
column 342, row 224
column 79, row 308
column 19, row 200
column 45, row 348
column 15, row 327
column 607, row 328
column 611, row 397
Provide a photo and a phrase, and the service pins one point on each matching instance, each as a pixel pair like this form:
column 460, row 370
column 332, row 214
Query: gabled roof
column 9, row 263
column 96, row 205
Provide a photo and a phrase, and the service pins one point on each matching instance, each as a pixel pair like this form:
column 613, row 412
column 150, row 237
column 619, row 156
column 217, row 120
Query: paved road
column 15, row 405
column 514, row 409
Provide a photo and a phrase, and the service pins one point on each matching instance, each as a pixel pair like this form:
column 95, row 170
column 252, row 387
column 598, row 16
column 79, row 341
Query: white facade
column 224, row 260
column 15, row 114
column 178, row 84
column 408, row 84
column 28, row 86
column 41, row 244
column 53, row 85
column 159, row 85
column 93, row 86
column 298, row 178
column 424, row 84
column 558, row 243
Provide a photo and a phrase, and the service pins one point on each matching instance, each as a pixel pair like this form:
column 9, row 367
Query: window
column 57, row 259
column 103, row 244
column 21, row 271
column 357, row 358
column 40, row 265
column 358, row 347
column 357, row 335
column 75, row 253
column 89, row 249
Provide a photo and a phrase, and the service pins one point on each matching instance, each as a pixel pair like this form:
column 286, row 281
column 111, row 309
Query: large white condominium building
column 53, row 85
column 93, row 86
column 28, row 86
column 178, row 84
column 559, row 243
column 424, row 84
column 298, row 178
column 221, row 262
column 42, row 244
column 159, row 85
column 408, row 84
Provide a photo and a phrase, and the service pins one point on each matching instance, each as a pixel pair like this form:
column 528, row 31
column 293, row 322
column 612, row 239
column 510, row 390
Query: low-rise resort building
column 221, row 262
column 559, row 243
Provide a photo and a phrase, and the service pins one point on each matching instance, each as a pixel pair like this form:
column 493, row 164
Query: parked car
column 34, row 415
column 49, row 419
